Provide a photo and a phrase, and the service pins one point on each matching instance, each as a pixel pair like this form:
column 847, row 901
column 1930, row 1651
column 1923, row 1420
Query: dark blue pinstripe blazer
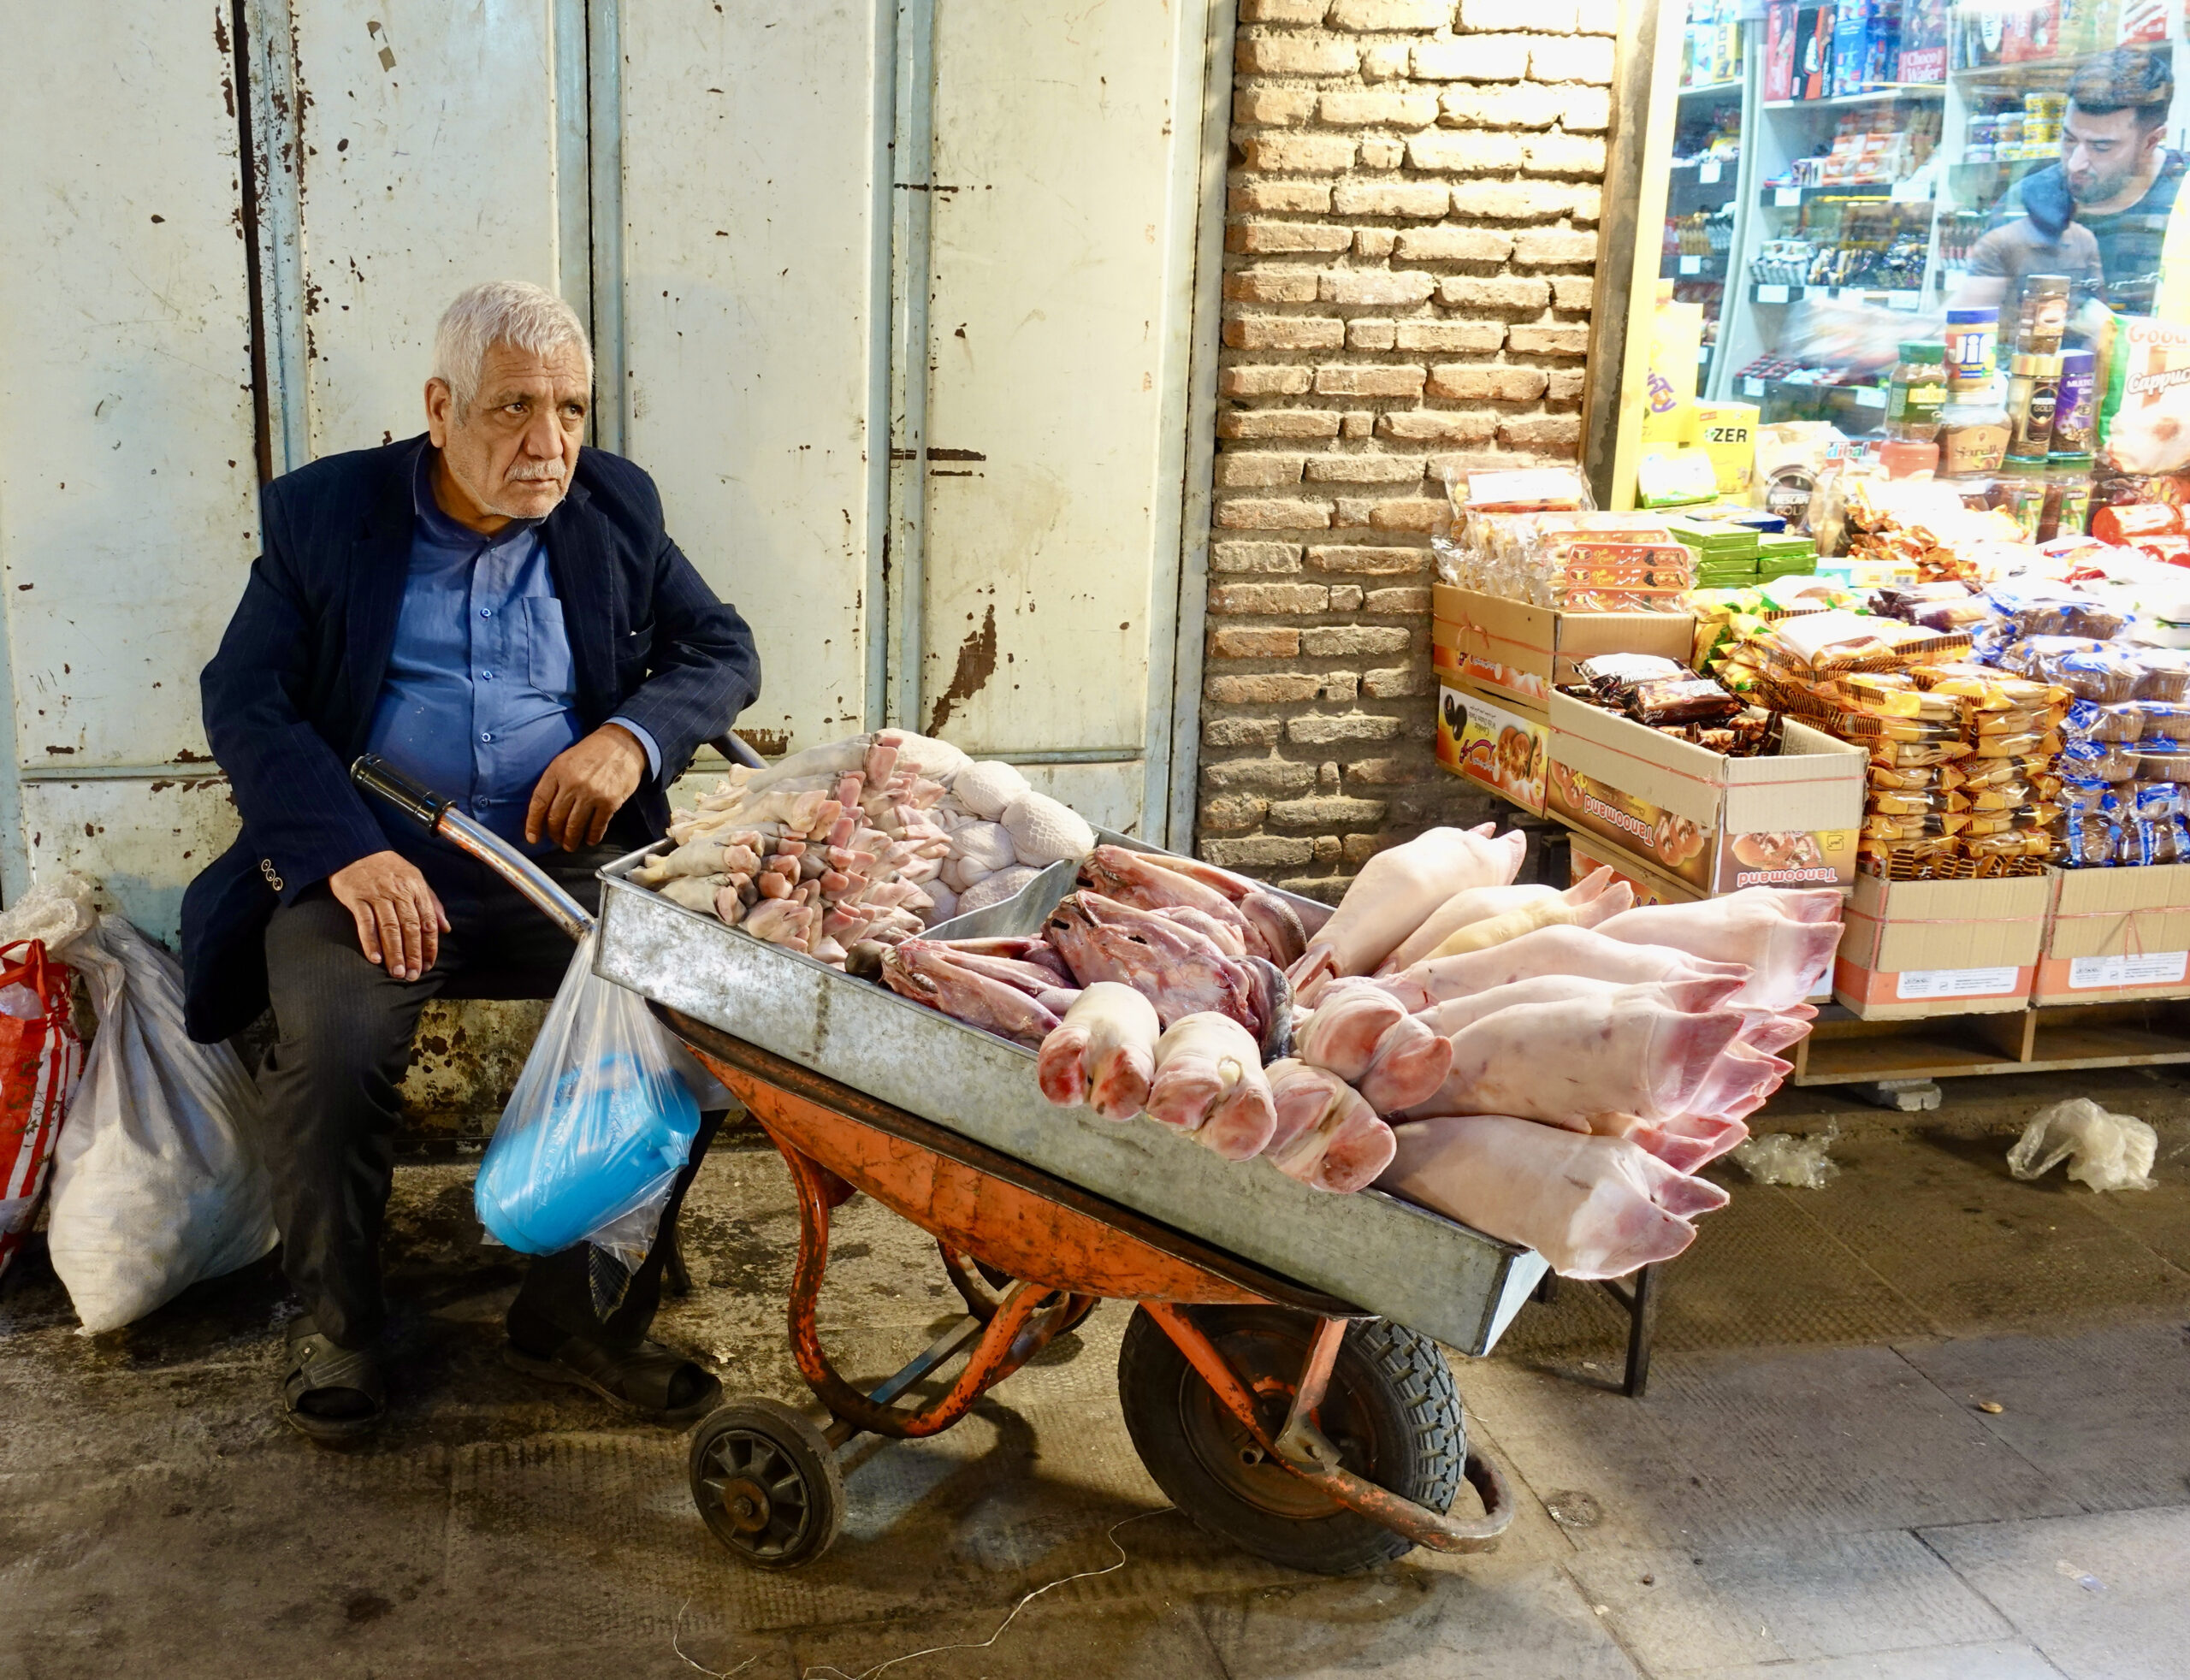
column 289, row 697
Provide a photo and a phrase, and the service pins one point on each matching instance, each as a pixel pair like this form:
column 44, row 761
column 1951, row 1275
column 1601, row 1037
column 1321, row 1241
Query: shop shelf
column 1786, row 198
column 1841, row 1049
column 1910, row 299
column 1724, row 89
column 1873, row 96
column 1678, row 266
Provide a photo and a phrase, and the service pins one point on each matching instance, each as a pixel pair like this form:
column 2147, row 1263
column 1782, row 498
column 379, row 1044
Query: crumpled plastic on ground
column 2107, row 1152
column 1782, row 1158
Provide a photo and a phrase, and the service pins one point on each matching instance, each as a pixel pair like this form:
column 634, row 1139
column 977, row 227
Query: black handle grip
column 376, row 775
column 732, row 746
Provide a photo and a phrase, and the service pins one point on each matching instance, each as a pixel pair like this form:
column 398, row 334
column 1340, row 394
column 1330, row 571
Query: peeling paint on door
column 976, row 664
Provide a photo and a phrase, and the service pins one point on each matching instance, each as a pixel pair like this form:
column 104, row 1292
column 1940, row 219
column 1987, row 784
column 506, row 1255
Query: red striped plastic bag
column 40, row 1058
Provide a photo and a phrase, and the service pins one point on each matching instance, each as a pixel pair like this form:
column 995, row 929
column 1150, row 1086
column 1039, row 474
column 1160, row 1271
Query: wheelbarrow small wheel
column 766, row 1482
column 1391, row 1409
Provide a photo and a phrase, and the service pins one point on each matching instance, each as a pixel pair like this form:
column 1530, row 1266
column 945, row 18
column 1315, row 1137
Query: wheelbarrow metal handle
column 436, row 813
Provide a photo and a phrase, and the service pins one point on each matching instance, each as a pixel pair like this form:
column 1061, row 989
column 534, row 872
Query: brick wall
column 1411, row 239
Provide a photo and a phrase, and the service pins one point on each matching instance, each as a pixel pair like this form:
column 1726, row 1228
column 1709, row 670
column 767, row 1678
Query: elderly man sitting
column 497, row 611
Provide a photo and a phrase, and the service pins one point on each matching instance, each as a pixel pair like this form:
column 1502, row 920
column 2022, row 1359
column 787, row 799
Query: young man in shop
column 497, row 612
column 2098, row 215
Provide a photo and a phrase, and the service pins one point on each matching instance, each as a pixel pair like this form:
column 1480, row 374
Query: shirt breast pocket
column 547, row 649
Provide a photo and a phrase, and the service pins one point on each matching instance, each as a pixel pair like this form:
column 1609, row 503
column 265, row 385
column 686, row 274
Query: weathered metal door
column 893, row 298
column 1046, row 247
column 128, row 481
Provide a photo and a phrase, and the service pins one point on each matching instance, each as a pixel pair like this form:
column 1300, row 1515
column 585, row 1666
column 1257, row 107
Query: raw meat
column 1525, row 919
column 1210, row 1081
column 1480, row 904
column 1360, row 1032
column 1690, row 997
column 1326, row 1136
column 1561, row 1063
column 1395, row 892
column 1686, row 1143
column 1739, row 1073
column 1592, row 1207
column 1180, row 971
column 1130, row 879
column 1279, row 922
column 1103, row 1053
column 925, row 972
column 995, row 888
column 986, row 787
column 1043, row 831
column 1787, row 936
column 1551, row 951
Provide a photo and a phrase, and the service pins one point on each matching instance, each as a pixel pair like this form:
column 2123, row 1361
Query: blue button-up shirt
column 481, row 690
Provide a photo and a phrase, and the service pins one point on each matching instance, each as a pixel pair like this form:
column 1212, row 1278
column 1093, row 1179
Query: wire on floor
column 822, row 1672
column 675, row 1632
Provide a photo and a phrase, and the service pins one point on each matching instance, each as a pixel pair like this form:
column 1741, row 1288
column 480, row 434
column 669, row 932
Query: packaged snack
column 1878, row 825
column 1914, row 802
column 2104, row 761
column 2104, row 674
column 2008, row 796
column 1986, row 688
column 2016, row 746
column 2161, row 758
column 2013, row 842
column 2162, row 717
column 1910, row 755
column 2090, row 835
column 2035, row 613
column 2145, row 423
column 1617, row 674
column 2087, row 720
column 2125, row 524
column 2166, row 674
column 1525, row 490
column 1928, row 778
column 1663, row 701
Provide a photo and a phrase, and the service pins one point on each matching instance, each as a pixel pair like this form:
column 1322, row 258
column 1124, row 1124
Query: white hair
column 502, row 311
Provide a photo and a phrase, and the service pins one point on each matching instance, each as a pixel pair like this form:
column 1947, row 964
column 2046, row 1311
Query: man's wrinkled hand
column 399, row 921
column 583, row 787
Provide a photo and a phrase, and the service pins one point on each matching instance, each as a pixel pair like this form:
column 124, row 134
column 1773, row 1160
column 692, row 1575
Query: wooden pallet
column 1842, row 1049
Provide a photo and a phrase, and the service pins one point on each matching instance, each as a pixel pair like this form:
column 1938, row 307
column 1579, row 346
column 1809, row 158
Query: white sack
column 155, row 1184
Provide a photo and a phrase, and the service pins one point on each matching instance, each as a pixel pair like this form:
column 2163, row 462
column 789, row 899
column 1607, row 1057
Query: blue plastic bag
column 601, row 1123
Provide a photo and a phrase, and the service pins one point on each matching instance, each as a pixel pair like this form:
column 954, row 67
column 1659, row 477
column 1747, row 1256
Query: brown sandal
column 644, row 1381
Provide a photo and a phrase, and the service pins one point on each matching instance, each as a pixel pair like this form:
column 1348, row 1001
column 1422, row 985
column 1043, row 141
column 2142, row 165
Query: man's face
column 512, row 453
column 2102, row 155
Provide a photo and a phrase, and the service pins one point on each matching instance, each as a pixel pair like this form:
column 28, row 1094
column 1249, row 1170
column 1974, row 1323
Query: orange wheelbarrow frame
column 1058, row 1250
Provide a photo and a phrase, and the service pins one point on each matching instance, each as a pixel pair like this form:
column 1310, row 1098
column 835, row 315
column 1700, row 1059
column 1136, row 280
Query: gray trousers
column 343, row 1041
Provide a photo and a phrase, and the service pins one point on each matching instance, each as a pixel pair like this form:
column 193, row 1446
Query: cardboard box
column 1940, row 948
column 1718, row 823
column 1586, row 855
column 1491, row 644
column 1488, row 736
column 2116, row 934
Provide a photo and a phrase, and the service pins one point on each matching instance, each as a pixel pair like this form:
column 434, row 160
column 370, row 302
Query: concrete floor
column 1812, row 1490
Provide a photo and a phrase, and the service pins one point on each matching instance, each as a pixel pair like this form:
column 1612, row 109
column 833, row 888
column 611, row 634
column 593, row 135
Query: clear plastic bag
column 2107, row 1152
column 1799, row 1163
column 600, row 1125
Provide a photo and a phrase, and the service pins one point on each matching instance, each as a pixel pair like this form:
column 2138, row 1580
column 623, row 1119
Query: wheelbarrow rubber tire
column 766, row 1482
column 1391, row 1408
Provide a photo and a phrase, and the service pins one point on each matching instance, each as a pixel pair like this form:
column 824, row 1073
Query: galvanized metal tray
column 1388, row 1257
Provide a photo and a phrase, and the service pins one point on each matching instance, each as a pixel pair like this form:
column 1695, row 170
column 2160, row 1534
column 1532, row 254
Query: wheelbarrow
column 1279, row 1416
